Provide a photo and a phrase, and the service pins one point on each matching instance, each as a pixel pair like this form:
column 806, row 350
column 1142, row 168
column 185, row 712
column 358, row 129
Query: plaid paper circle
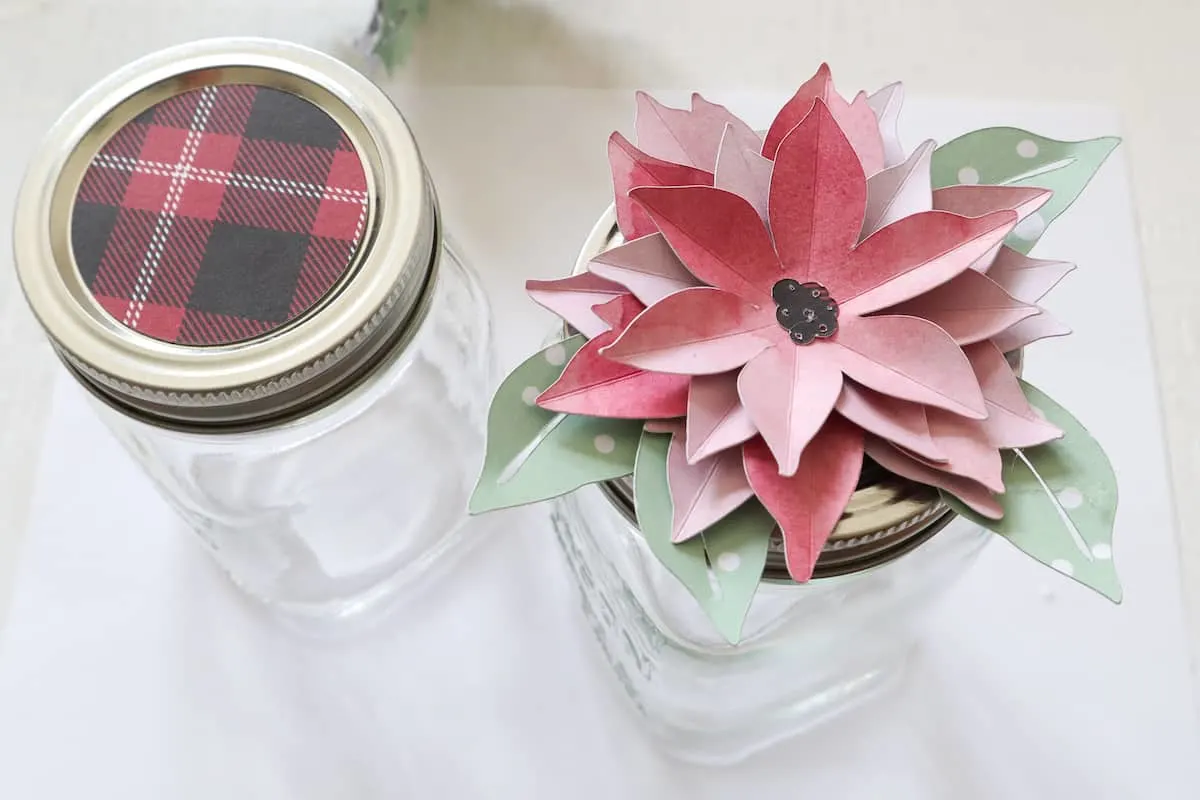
column 219, row 214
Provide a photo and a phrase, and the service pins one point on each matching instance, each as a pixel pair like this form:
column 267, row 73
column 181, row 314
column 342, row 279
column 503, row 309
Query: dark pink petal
column 969, row 451
column 971, row 493
column 1028, row 331
column 632, row 168
column 910, row 359
column 897, row 421
column 970, row 307
column 699, row 331
column 686, row 137
column 808, row 505
column 572, row 299
column 789, row 390
column 1027, row 279
column 648, row 267
column 743, row 172
column 716, row 418
column 618, row 312
column 910, row 257
column 899, row 191
column 1011, row 421
column 705, row 492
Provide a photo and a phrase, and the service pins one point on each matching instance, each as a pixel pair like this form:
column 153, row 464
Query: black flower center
column 805, row 310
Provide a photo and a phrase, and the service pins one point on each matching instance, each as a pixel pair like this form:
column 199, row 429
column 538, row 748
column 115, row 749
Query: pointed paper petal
column 745, row 136
column 789, row 391
column 818, row 196
column 686, row 137
column 632, row 168
column 572, row 299
column 973, row 494
column 618, row 312
column 648, row 267
column 969, row 450
column 699, row 331
column 1027, row 279
column 899, row 191
column 716, row 418
column 1028, row 331
column 705, row 492
column 970, row 307
column 808, row 505
column 718, row 236
column 886, row 104
column 1011, row 420
column 743, row 172
column 671, row 426
column 910, row 257
column 975, row 201
column 898, row 421
column 910, row 359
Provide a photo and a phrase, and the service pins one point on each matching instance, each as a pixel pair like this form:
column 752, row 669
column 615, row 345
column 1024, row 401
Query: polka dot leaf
column 1060, row 502
column 722, row 567
column 1013, row 157
column 534, row 454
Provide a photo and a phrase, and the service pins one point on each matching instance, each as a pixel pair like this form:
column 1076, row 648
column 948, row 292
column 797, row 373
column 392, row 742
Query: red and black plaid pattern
column 219, row 214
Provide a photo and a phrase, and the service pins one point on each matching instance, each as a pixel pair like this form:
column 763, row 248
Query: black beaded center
column 805, row 310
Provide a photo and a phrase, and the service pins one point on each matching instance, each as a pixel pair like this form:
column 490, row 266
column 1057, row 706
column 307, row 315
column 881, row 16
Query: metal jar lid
column 227, row 233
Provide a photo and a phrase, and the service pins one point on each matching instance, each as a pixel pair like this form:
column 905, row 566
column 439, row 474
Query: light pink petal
column 718, row 236
column 671, row 426
column 899, row 191
column 897, row 421
column 970, row 307
column 1027, row 279
column 976, row 201
column 969, row 451
column 886, row 104
column 632, row 168
column 910, row 257
column 699, row 331
column 971, row 493
column 1011, row 421
column 683, row 136
column 1028, row 331
column 808, row 505
column 862, row 129
column 910, row 359
column 703, row 493
column 789, row 390
column 648, row 267
column 743, row 172
column 716, row 418
column 572, row 299
column 745, row 136
column 818, row 197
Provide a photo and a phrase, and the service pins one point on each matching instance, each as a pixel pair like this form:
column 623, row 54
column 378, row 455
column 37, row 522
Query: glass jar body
column 328, row 514
column 808, row 651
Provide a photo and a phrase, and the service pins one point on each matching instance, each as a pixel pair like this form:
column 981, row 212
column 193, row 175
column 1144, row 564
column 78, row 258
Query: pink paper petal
column 699, row 331
column 971, row 493
column 703, row 493
column 818, row 194
column 618, row 312
column 899, row 191
column 745, row 136
column 969, row 451
column 671, row 426
column 718, row 236
column 682, row 136
column 808, row 505
column 632, row 168
column 910, row 359
column 1028, row 331
column 970, row 307
column 789, row 390
column 910, row 257
column 648, row 267
column 572, row 299
column 743, row 172
column 1027, row 279
column 1011, row 421
column 716, row 418
column 897, row 421
column 886, row 104
column 978, row 200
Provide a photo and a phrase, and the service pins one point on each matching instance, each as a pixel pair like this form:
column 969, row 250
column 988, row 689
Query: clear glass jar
column 808, row 651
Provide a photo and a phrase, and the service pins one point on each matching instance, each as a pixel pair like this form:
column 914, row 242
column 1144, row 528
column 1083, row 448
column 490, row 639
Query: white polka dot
column 1070, row 498
column 728, row 562
column 968, row 175
column 1027, row 148
column 1102, row 551
column 556, row 355
column 1063, row 566
column 1030, row 228
column 530, row 395
column 604, row 443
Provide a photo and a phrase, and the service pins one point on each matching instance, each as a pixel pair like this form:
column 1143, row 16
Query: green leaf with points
column 393, row 28
column 722, row 567
column 534, row 454
column 1060, row 502
column 1013, row 157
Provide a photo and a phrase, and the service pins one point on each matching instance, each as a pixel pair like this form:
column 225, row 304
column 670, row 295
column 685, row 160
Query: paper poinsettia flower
column 785, row 305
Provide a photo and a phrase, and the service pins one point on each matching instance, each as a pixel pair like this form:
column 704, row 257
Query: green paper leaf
column 1060, row 502
column 723, row 567
column 393, row 28
column 534, row 454
column 1013, row 157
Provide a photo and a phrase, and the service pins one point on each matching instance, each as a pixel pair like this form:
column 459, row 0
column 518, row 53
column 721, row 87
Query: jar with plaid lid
column 235, row 248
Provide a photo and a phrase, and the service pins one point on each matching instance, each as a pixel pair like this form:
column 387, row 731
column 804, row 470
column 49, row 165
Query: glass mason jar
column 234, row 246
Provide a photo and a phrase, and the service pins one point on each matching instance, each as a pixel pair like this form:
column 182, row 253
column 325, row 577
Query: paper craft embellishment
column 786, row 305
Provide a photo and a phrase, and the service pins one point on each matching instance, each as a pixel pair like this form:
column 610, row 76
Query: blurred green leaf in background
column 393, row 28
